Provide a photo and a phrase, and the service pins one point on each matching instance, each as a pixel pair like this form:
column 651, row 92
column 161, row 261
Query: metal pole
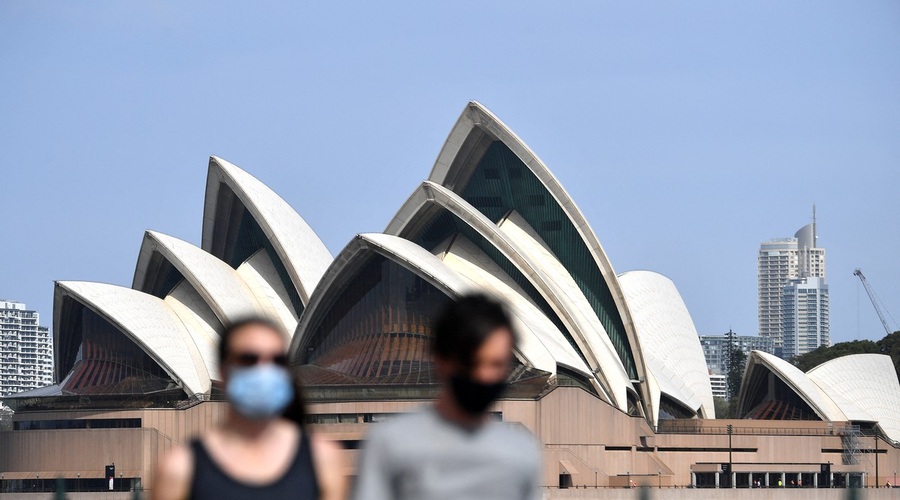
column 730, row 463
column 876, row 459
column 730, row 431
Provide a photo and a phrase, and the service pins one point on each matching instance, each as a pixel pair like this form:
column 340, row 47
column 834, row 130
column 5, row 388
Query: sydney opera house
column 610, row 375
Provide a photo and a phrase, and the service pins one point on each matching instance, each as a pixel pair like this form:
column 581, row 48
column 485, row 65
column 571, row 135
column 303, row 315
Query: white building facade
column 777, row 263
column 26, row 349
column 780, row 261
column 719, row 385
column 715, row 348
column 805, row 319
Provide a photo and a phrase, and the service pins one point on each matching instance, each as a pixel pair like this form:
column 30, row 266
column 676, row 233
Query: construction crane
column 873, row 298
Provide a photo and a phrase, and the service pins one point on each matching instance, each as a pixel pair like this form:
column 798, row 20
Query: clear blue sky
column 687, row 132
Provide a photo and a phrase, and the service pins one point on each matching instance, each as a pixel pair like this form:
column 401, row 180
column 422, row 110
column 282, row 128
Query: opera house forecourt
column 609, row 376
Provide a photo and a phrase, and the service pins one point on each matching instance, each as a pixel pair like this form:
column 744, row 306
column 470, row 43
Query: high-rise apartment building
column 780, row 261
column 805, row 316
column 810, row 258
column 715, row 348
column 26, row 350
column 719, row 384
column 777, row 265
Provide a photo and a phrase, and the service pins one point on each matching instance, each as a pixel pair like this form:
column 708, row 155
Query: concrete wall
column 581, row 435
column 606, row 444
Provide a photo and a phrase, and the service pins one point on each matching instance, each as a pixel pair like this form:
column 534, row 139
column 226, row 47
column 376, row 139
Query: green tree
column 812, row 359
column 737, row 359
column 723, row 407
column 890, row 345
column 6, row 423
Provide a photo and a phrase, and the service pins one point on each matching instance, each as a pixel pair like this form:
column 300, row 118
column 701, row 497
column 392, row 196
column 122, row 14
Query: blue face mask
column 259, row 391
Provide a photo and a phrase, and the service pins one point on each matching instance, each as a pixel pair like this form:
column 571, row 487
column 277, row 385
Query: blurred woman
column 262, row 450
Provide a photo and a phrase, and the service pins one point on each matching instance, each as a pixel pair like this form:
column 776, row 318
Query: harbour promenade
column 593, row 494
column 716, row 494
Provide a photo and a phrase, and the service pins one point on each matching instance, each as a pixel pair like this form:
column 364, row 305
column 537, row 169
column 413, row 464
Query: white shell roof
column 671, row 345
column 865, row 387
column 800, row 383
column 419, row 261
column 220, row 286
column 150, row 324
column 577, row 310
column 302, row 252
column 407, row 254
column 539, row 268
column 539, row 338
column 200, row 321
column 416, row 258
column 261, row 277
column 476, row 115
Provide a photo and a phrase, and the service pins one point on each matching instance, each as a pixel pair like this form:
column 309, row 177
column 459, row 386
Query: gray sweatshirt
column 422, row 456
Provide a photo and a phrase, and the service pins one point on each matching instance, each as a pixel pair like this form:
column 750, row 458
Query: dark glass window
column 486, row 201
column 517, row 187
column 378, row 328
column 671, row 409
column 567, row 377
column 769, row 398
column 108, row 362
column 244, row 238
column 444, row 224
column 491, row 173
column 551, row 225
column 86, row 423
column 163, row 277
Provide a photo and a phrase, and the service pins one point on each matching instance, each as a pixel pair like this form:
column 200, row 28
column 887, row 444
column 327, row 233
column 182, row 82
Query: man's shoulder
column 515, row 436
column 511, row 429
column 404, row 424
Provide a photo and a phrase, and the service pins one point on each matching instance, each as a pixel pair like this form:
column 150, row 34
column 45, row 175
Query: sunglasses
column 252, row 358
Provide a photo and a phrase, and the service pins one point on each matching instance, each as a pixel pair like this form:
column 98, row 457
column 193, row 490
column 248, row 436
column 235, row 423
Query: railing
column 674, row 427
column 695, row 427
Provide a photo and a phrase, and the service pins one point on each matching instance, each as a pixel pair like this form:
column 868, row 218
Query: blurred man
column 452, row 449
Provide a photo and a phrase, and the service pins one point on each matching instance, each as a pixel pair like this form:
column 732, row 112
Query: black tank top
column 211, row 482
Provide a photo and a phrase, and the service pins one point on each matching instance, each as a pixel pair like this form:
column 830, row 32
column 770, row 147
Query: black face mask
column 472, row 396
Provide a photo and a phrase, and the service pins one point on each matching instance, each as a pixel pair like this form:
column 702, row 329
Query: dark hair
column 461, row 328
column 296, row 410
column 241, row 323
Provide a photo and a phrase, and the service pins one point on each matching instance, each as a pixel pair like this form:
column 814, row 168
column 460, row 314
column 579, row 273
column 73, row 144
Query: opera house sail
column 859, row 388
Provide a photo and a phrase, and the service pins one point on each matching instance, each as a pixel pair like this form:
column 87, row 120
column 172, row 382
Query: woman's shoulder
column 329, row 466
column 177, row 460
column 174, row 473
column 322, row 446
